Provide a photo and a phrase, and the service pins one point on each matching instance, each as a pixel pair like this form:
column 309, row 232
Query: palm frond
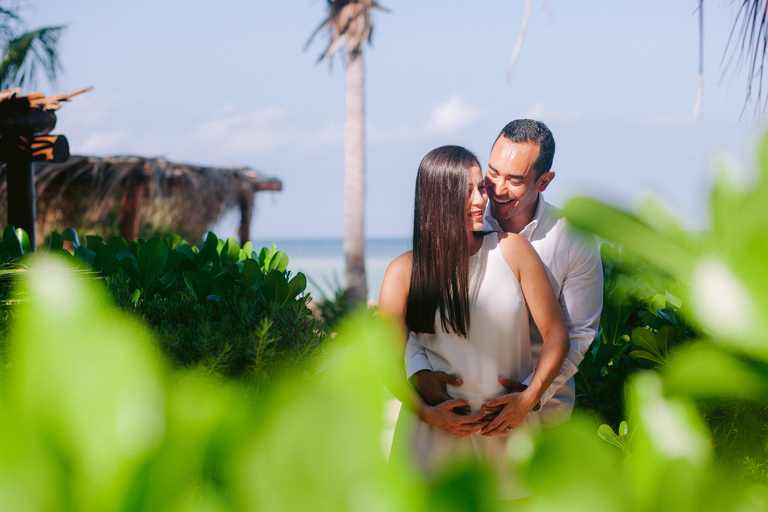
column 25, row 56
column 749, row 47
column 348, row 24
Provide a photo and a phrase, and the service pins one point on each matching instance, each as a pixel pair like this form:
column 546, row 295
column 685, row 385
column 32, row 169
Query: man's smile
column 500, row 201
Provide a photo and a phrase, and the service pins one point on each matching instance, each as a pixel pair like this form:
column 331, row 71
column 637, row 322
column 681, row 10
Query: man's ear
column 544, row 180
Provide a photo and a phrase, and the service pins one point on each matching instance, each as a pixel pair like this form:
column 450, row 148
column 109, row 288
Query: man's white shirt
column 575, row 271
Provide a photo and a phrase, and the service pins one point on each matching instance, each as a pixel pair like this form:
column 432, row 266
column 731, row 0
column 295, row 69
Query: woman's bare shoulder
column 395, row 287
column 515, row 243
column 401, row 266
column 517, row 250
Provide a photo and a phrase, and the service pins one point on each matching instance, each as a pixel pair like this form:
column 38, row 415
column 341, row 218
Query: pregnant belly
column 476, row 394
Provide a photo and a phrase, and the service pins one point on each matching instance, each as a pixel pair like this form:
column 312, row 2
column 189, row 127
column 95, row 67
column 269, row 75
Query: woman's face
column 474, row 204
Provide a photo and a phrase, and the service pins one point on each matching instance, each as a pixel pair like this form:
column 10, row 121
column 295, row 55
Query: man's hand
column 431, row 386
column 443, row 417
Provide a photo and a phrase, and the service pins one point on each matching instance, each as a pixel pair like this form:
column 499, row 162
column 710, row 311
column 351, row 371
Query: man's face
column 512, row 184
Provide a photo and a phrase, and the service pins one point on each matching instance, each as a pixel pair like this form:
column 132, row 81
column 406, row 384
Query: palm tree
column 26, row 53
column 348, row 24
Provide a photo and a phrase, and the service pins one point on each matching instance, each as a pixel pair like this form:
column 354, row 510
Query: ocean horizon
column 322, row 261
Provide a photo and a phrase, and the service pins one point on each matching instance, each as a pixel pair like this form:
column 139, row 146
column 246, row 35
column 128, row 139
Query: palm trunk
column 354, row 181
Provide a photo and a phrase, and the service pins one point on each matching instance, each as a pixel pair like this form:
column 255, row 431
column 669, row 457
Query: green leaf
column 118, row 243
column 296, row 286
column 662, row 339
column 105, row 260
column 185, row 249
column 151, row 259
column 627, row 230
column 11, row 243
column 172, row 240
column 56, row 243
column 70, row 235
column 275, row 287
column 93, row 242
column 24, row 239
column 230, row 252
column 644, row 338
column 643, row 354
column 128, row 262
column 251, row 275
column 208, row 253
column 265, row 256
column 205, row 284
column 85, row 255
column 135, row 296
column 279, row 261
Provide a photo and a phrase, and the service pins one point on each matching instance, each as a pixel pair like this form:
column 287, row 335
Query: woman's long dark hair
column 440, row 272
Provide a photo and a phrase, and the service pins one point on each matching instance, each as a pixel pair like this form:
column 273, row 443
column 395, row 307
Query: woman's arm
column 545, row 310
column 392, row 302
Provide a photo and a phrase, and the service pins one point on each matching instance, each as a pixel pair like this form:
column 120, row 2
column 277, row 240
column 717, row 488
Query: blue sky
column 228, row 83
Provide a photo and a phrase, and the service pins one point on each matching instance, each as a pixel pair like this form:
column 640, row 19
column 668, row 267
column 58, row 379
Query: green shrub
column 331, row 310
column 232, row 310
column 640, row 323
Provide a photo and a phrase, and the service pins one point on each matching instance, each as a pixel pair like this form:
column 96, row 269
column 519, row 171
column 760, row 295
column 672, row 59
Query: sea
column 322, row 261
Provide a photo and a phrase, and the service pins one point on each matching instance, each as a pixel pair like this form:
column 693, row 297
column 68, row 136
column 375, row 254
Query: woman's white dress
column 498, row 345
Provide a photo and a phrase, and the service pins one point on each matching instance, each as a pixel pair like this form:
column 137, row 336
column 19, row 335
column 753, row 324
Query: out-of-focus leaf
column 56, row 243
column 11, row 243
column 337, row 464
column 709, row 371
column 91, row 392
column 24, row 239
column 70, row 235
column 628, row 231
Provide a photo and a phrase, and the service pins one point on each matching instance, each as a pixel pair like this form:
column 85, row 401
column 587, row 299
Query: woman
column 468, row 297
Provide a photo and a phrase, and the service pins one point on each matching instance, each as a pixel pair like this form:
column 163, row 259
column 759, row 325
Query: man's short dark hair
column 521, row 131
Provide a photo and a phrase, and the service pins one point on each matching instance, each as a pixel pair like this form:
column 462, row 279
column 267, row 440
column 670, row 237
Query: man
column 519, row 170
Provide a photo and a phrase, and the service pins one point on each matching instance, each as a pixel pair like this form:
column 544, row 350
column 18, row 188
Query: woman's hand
column 516, row 406
column 442, row 416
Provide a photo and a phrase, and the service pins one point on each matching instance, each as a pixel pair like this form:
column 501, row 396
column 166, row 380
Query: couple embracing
column 498, row 305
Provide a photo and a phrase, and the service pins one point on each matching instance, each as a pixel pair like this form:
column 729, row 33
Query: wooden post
column 130, row 209
column 246, row 212
column 20, row 178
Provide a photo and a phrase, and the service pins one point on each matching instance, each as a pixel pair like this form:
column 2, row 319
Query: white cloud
column 452, row 115
column 89, row 108
column 242, row 132
column 102, row 143
column 541, row 112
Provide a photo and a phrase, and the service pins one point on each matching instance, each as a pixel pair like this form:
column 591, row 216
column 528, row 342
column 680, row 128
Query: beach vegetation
column 234, row 311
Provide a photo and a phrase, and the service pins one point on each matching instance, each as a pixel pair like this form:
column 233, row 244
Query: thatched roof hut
column 135, row 196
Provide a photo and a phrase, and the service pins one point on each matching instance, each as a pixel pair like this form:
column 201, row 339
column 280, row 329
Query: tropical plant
column 26, row 54
column 642, row 320
column 237, row 312
column 348, row 24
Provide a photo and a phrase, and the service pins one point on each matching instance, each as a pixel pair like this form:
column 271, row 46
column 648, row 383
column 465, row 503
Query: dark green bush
column 640, row 323
column 232, row 310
